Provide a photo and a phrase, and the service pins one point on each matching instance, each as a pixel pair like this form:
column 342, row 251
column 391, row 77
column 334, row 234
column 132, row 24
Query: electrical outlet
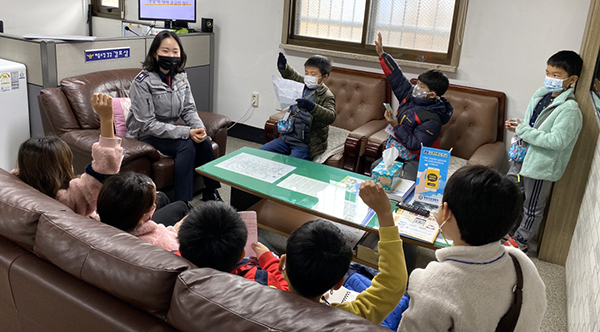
column 254, row 99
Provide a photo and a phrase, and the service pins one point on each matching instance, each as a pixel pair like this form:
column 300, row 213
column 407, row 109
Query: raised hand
column 378, row 45
column 102, row 104
column 281, row 61
column 374, row 196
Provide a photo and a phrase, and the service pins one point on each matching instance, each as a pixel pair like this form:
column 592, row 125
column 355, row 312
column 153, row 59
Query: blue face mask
column 554, row 84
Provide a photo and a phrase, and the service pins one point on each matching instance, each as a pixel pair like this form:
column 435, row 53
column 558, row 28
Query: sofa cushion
column 20, row 208
column 206, row 298
column 121, row 110
column 473, row 123
column 359, row 97
column 112, row 260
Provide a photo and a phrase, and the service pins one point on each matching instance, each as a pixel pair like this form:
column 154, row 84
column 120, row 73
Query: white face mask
column 442, row 225
column 311, row 82
column 419, row 93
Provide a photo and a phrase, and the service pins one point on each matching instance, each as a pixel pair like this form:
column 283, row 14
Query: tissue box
column 388, row 178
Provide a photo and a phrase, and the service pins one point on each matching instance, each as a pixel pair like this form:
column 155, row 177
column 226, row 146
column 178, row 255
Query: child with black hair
column 318, row 256
column 312, row 115
column 214, row 235
column 550, row 129
column 471, row 285
column 421, row 114
column 128, row 200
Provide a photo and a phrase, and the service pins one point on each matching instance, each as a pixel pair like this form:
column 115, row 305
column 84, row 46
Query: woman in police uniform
column 160, row 95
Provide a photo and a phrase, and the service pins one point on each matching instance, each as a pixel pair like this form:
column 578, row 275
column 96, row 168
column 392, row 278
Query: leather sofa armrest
column 132, row 148
column 493, row 155
column 80, row 142
column 271, row 132
column 356, row 143
column 216, row 128
column 213, row 122
column 367, row 130
column 373, row 149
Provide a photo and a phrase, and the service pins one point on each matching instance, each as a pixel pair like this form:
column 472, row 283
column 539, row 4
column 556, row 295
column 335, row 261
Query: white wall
column 583, row 262
column 66, row 17
column 506, row 45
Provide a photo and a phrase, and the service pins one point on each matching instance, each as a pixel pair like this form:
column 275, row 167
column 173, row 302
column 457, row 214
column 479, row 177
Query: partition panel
column 25, row 52
column 71, row 59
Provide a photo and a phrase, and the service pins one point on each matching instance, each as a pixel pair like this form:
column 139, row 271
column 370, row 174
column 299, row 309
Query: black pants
column 168, row 213
column 187, row 155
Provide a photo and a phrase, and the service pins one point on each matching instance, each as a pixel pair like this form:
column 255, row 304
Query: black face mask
column 169, row 63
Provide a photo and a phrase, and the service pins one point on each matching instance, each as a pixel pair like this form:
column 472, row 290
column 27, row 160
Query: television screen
column 168, row 10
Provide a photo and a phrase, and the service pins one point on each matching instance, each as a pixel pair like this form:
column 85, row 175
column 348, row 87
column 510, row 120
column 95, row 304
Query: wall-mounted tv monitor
column 179, row 12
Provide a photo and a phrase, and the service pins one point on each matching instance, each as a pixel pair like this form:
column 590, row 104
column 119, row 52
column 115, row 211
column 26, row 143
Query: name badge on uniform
column 389, row 129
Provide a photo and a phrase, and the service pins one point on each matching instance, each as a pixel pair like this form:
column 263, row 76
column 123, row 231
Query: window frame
column 108, row 12
column 445, row 61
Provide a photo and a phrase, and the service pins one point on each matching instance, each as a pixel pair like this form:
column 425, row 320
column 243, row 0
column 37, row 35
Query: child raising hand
column 46, row 163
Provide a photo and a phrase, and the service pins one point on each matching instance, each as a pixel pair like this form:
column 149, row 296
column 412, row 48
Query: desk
column 281, row 208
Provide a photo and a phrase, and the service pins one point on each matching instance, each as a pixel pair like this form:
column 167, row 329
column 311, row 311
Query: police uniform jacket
column 156, row 107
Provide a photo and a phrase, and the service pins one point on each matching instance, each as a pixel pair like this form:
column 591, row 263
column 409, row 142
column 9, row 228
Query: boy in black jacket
column 422, row 110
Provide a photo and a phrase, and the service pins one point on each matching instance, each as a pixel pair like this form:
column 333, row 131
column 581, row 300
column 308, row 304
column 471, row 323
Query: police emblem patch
column 141, row 76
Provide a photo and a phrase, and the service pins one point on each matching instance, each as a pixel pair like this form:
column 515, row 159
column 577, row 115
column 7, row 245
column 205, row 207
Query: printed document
column 287, row 91
column 256, row 167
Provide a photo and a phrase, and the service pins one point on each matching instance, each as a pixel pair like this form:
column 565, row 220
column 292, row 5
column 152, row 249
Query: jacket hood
column 440, row 105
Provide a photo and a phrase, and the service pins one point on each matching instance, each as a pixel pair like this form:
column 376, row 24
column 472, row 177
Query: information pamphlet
column 416, row 226
column 432, row 175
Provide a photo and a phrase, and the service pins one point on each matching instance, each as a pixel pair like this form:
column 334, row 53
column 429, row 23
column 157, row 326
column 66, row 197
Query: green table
column 293, row 192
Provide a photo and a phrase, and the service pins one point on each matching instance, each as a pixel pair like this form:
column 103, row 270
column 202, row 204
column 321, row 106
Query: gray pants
column 536, row 193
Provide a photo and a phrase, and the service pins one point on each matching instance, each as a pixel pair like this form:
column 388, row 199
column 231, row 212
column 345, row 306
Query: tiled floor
column 555, row 318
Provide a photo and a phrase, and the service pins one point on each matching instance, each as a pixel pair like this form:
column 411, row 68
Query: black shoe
column 211, row 195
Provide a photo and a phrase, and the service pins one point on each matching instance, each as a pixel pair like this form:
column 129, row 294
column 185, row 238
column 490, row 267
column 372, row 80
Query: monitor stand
column 176, row 25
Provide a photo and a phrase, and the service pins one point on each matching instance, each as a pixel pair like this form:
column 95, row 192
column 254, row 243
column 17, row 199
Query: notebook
column 342, row 295
column 249, row 218
column 402, row 190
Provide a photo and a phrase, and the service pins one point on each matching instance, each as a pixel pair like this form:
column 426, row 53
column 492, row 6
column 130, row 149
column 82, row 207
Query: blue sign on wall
column 107, row 54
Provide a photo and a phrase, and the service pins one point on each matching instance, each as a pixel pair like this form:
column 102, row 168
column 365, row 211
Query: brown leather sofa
column 359, row 98
column 67, row 113
column 60, row 271
column 475, row 132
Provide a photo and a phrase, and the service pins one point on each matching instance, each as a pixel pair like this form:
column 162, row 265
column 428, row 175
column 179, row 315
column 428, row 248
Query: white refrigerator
column 14, row 111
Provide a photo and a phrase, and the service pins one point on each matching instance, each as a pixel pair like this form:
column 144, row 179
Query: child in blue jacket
column 422, row 112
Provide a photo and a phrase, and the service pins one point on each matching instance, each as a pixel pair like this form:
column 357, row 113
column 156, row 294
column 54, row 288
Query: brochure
column 416, row 226
column 432, row 175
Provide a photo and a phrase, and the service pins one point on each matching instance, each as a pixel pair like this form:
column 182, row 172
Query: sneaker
column 211, row 195
column 511, row 242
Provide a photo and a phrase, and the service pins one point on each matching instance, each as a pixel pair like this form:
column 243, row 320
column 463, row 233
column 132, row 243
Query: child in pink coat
column 127, row 201
column 46, row 163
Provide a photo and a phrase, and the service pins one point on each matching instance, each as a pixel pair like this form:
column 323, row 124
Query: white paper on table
column 287, row 91
column 249, row 218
